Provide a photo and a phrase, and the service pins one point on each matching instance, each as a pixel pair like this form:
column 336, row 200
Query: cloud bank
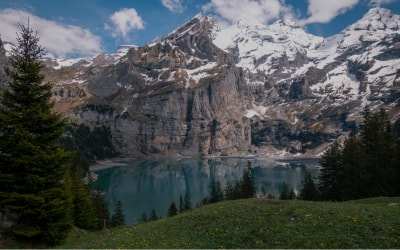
column 124, row 22
column 173, row 5
column 254, row 11
column 323, row 11
column 60, row 40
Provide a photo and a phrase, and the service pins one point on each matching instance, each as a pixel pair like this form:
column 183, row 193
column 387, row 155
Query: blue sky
column 74, row 28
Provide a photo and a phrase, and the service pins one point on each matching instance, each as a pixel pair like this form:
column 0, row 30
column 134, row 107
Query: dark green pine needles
column 33, row 166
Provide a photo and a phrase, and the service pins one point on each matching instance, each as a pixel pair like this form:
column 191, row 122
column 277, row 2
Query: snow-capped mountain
column 259, row 47
column 245, row 89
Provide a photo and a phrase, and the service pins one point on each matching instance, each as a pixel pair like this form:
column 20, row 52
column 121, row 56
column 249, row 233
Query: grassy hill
column 261, row 223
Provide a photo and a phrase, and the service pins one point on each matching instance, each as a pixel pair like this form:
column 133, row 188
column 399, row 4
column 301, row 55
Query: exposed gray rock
column 184, row 95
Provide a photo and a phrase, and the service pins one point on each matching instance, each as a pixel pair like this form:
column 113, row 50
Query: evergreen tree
column 285, row 193
column 292, row 195
column 180, row 204
column 232, row 191
column 84, row 212
column 216, row 194
column 187, row 204
column 330, row 174
column 353, row 174
column 101, row 208
column 309, row 190
column 377, row 141
column 143, row 217
column 118, row 217
column 247, row 188
column 172, row 211
column 153, row 215
column 33, row 166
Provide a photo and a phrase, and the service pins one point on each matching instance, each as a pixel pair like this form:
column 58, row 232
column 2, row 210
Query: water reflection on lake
column 144, row 185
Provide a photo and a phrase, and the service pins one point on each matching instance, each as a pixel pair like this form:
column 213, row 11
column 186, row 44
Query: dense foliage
column 90, row 144
column 368, row 164
column 34, row 184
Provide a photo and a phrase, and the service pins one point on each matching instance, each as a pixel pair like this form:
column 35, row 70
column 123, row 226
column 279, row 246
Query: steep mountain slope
column 245, row 89
column 308, row 90
column 181, row 95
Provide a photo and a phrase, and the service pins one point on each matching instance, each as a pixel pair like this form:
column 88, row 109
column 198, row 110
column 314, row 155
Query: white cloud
column 259, row 11
column 323, row 11
column 173, row 5
column 124, row 22
column 58, row 39
column 377, row 3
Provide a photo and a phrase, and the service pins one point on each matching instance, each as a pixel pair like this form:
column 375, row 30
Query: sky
column 83, row 28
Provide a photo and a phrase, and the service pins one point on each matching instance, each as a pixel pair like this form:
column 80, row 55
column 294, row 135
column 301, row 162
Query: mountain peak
column 198, row 22
column 377, row 19
column 374, row 13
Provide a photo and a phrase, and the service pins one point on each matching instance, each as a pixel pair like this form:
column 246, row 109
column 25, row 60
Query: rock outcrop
column 247, row 89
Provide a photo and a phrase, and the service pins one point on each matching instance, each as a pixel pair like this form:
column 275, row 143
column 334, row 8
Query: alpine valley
column 248, row 89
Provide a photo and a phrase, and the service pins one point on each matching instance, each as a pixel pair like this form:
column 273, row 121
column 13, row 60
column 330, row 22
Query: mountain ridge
column 247, row 89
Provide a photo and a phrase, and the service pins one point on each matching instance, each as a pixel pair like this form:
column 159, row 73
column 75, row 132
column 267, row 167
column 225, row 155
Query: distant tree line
column 366, row 165
column 241, row 189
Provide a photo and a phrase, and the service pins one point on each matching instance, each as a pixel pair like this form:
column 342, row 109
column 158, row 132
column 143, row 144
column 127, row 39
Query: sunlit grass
column 256, row 223
column 260, row 223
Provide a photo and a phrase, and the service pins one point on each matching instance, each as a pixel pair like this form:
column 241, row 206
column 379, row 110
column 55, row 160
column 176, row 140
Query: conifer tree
column 143, row 217
column 180, row 204
column 216, row 193
column 232, row 190
column 101, row 208
column 33, row 166
column 84, row 212
column 153, row 215
column 247, row 188
column 187, row 204
column 329, row 178
column 172, row 210
column 309, row 190
column 118, row 217
column 284, row 194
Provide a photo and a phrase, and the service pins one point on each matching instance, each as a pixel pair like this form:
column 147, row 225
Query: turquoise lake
column 144, row 185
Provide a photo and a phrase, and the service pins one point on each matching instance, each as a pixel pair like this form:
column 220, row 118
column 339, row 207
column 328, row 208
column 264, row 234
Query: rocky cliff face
column 179, row 96
column 246, row 89
column 309, row 91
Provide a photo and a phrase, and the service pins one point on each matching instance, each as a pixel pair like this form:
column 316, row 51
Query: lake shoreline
column 117, row 162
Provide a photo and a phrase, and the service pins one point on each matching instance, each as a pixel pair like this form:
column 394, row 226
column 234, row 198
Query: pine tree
column 187, row 204
column 180, row 204
column 33, row 166
column 329, row 178
column 309, row 190
column 292, row 195
column 284, row 194
column 101, row 208
column 84, row 212
column 118, row 217
column 216, row 193
column 172, row 211
column 153, row 215
column 143, row 217
column 247, row 188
